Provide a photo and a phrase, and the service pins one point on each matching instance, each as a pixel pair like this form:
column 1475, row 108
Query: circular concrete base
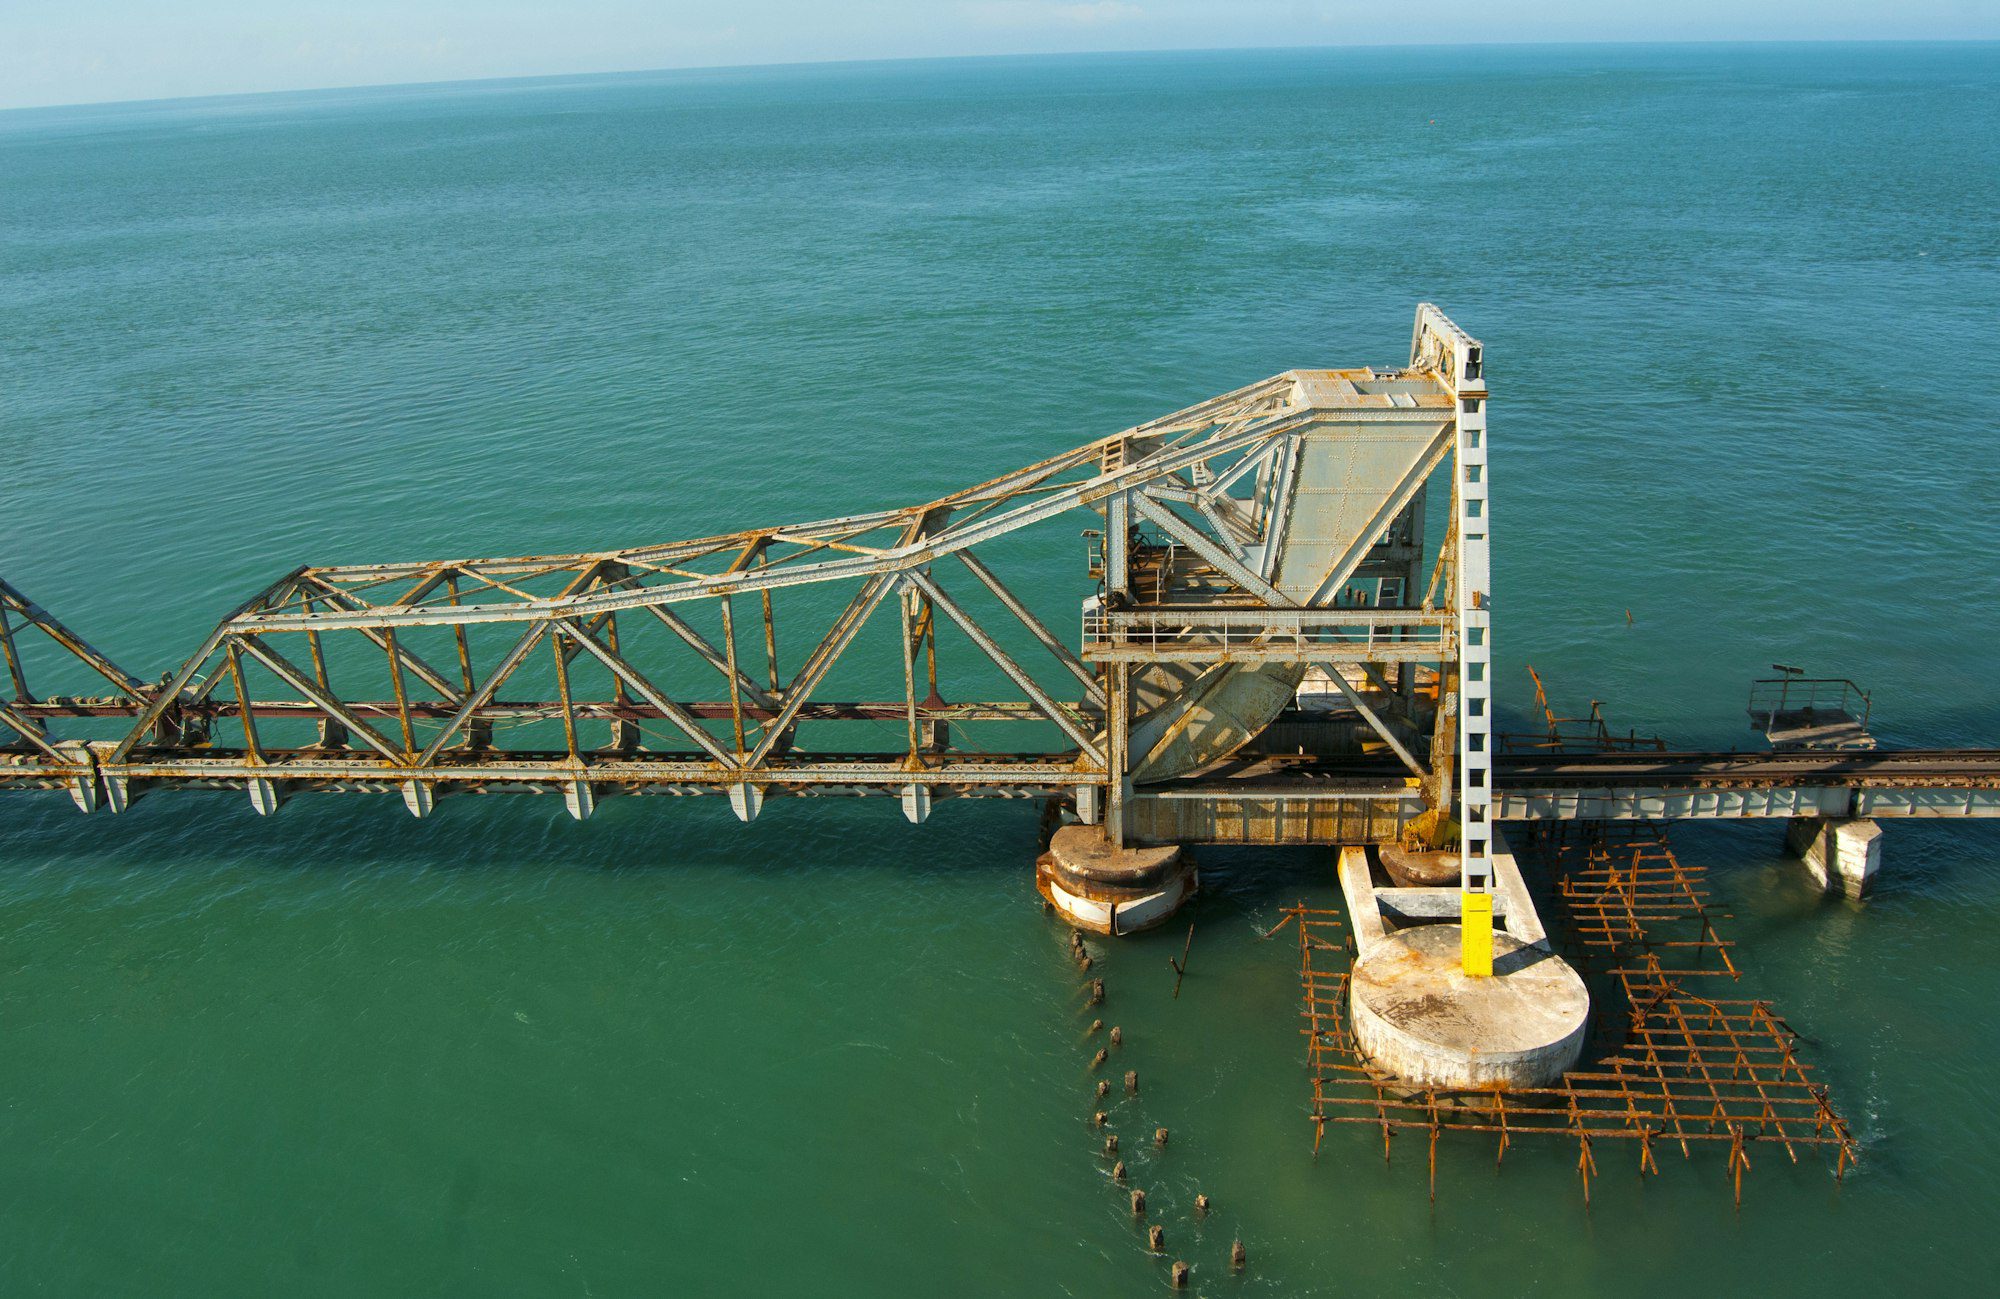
column 1112, row 890
column 1419, row 1016
column 1416, row 870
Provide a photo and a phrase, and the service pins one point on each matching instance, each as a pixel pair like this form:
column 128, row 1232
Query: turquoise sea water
column 1738, row 306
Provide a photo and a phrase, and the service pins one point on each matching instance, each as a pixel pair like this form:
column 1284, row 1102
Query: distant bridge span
column 1711, row 786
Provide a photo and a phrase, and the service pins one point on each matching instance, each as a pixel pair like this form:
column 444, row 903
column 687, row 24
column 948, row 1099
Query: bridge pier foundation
column 1842, row 853
column 1420, row 1018
column 1108, row 889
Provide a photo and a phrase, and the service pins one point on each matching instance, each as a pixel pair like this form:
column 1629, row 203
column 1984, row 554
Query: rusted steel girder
column 620, row 670
column 598, row 650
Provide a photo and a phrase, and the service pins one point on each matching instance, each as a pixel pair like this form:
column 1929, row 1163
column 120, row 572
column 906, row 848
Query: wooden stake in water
column 1180, row 966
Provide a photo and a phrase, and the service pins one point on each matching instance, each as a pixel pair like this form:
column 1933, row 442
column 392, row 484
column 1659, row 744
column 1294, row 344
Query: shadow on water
column 469, row 834
column 818, row 837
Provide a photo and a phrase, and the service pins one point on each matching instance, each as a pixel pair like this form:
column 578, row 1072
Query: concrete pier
column 1842, row 854
column 1418, row 1016
column 1109, row 889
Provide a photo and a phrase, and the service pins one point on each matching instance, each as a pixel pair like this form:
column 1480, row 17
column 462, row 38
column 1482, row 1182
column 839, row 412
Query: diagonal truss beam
column 169, row 692
column 1035, row 626
column 673, row 712
column 289, row 673
column 1376, row 724
column 1223, row 561
column 79, row 648
column 484, row 695
column 820, row 662
column 416, row 666
column 29, row 731
column 1049, row 707
column 709, row 654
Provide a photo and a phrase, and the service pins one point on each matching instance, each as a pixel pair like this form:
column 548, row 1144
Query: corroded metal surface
column 1677, row 1061
column 1241, row 539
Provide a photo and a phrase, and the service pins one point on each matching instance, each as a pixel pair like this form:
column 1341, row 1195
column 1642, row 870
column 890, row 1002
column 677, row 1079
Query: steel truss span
column 1241, row 546
column 816, row 657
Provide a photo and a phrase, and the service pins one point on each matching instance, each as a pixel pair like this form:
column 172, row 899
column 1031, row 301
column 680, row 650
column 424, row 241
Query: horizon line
column 607, row 73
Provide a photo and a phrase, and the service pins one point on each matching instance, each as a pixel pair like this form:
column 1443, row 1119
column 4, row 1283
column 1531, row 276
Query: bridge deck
column 1276, row 799
column 1687, row 786
column 1259, row 799
column 1861, row 766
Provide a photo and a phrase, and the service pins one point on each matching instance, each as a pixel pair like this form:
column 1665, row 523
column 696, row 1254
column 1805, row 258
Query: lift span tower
column 1277, row 650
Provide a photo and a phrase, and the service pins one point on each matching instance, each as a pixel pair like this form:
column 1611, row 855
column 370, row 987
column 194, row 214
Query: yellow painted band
column 1476, row 926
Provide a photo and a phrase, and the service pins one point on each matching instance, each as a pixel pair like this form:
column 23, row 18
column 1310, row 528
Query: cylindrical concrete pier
column 1112, row 890
column 1419, row 1016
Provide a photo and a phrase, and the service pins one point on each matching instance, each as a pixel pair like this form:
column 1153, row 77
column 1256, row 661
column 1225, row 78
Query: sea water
column 1738, row 307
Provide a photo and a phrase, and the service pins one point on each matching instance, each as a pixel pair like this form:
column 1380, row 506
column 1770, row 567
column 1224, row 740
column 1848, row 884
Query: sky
column 92, row 51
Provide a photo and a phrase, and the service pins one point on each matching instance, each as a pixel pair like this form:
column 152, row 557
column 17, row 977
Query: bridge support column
column 1843, row 854
column 1108, row 889
column 1419, row 1017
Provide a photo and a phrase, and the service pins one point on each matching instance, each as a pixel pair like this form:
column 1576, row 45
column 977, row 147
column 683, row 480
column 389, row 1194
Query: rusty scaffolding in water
column 1675, row 1060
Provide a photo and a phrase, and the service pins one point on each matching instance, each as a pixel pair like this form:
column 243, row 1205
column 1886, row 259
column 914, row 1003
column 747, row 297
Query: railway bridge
column 1282, row 633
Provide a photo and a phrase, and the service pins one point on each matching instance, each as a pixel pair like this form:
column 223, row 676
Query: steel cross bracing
column 808, row 658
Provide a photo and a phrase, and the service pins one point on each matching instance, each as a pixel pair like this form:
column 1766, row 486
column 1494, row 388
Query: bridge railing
column 1774, row 699
column 1209, row 635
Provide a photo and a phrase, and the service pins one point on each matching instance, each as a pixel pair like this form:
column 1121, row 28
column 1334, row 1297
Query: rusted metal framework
column 1590, row 733
column 1249, row 551
column 814, row 658
column 1677, row 1061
